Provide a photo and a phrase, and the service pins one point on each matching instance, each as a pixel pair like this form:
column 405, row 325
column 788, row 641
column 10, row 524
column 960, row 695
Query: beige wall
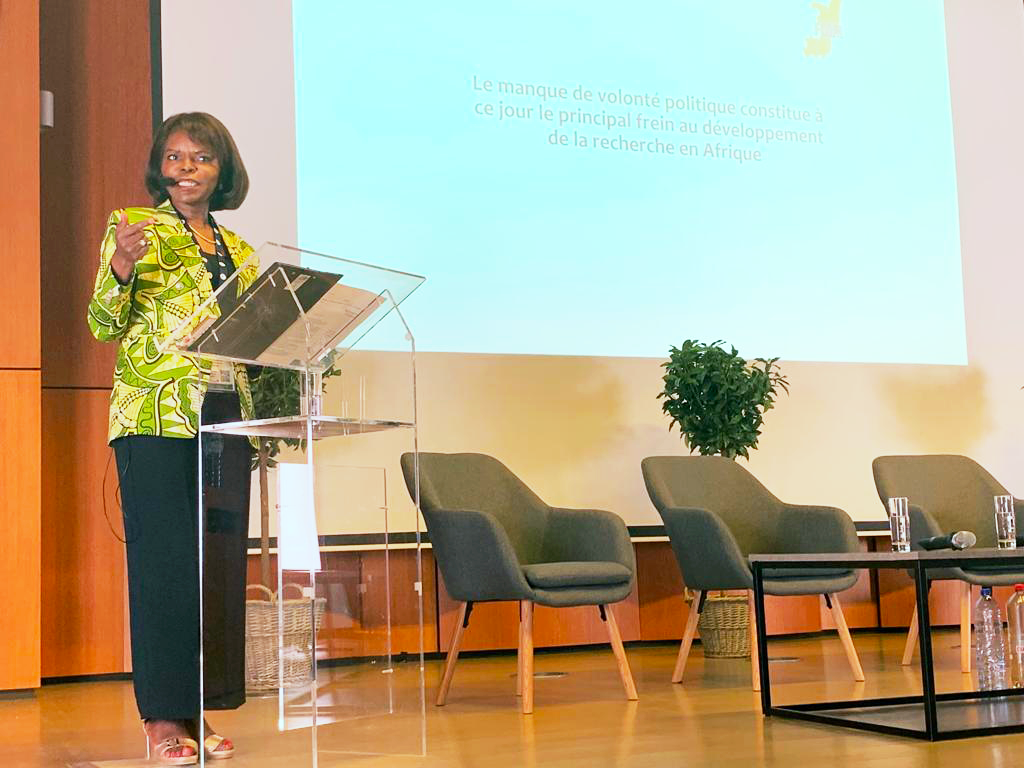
column 212, row 78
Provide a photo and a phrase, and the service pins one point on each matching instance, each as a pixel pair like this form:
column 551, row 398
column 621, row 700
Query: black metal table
column 929, row 715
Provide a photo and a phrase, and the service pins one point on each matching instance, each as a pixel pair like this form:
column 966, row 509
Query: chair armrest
column 475, row 556
column 588, row 535
column 807, row 528
column 705, row 549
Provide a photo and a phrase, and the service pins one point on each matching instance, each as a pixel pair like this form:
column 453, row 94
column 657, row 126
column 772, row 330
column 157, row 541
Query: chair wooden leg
column 844, row 636
column 755, row 663
column 526, row 653
column 453, row 655
column 620, row 653
column 688, row 635
column 908, row 649
column 519, row 655
column 965, row 627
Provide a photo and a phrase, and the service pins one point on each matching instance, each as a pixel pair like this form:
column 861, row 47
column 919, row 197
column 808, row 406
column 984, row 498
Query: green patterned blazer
column 154, row 393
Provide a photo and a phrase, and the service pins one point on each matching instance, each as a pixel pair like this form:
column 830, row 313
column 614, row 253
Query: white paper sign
column 297, row 542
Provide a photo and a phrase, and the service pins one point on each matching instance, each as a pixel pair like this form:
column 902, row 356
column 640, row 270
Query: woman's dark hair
column 233, row 182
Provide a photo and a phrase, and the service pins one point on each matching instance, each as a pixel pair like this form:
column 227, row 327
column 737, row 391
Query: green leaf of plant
column 716, row 398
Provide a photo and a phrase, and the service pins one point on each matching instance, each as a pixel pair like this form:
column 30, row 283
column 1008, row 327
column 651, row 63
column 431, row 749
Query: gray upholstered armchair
column 716, row 514
column 947, row 493
column 494, row 539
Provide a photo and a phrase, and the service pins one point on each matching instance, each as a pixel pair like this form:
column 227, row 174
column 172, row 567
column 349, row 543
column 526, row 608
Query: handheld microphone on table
column 957, row 540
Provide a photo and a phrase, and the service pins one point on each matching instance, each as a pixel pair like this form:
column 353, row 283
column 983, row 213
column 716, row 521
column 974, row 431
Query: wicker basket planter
column 261, row 640
column 724, row 627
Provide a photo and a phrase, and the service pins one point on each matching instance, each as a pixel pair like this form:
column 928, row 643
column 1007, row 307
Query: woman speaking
column 157, row 266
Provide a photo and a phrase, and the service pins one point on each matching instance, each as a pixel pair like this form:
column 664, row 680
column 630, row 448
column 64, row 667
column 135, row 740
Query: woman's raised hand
column 132, row 244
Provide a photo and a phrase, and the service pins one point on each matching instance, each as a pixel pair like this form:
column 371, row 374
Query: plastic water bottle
column 989, row 643
column 1015, row 622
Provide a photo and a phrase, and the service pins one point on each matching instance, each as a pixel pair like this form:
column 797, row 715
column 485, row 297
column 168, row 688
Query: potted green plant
column 717, row 400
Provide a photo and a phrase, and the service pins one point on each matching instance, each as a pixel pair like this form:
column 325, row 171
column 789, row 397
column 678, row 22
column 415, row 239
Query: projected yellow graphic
column 826, row 28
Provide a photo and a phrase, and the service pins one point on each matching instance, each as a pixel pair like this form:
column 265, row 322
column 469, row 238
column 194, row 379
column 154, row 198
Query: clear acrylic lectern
column 334, row 646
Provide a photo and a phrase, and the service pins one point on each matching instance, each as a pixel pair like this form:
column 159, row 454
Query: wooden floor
column 581, row 718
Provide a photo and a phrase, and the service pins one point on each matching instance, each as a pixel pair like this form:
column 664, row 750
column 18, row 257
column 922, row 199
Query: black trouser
column 158, row 477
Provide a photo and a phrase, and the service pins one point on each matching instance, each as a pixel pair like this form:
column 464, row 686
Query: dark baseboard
column 110, row 676
column 17, row 693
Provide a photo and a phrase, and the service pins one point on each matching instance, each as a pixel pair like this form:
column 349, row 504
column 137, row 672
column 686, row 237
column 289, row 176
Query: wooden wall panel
column 95, row 60
column 792, row 615
column 84, row 617
column 353, row 623
column 404, row 611
column 492, row 626
column 19, row 184
column 582, row 625
column 19, row 520
column 896, row 600
column 19, row 343
column 663, row 610
column 94, row 56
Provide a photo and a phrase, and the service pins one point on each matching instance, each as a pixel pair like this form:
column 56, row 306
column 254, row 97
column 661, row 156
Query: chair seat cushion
column 575, row 574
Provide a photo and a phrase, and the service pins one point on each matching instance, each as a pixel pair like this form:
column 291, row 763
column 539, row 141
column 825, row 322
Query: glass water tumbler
column 1006, row 523
column 899, row 523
